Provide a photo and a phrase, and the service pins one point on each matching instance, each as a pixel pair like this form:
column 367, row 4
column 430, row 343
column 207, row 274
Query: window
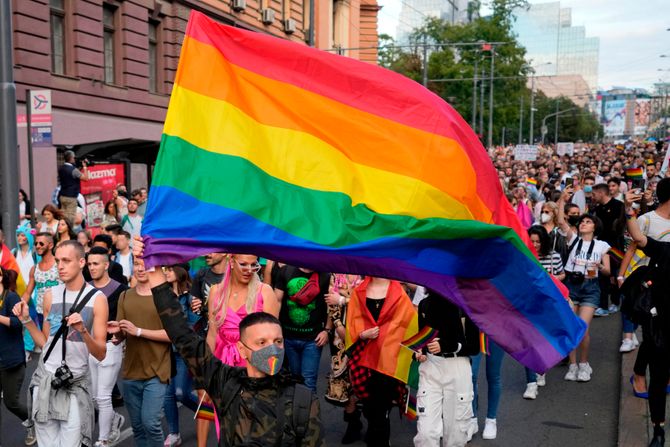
column 57, row 23
column 108, row 13
column 153, row 57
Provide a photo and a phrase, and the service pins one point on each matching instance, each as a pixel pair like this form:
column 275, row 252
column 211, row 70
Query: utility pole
column 425, row 62
column 9, row 161
column 504, row 130
column 490, row 136
column 532, row 108
column 481, row 106
column 556, row 128
column 521, row 121
column 473, row 123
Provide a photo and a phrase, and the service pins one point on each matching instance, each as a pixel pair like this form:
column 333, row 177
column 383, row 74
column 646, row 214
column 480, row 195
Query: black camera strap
column 77, row 306
column 579, row 250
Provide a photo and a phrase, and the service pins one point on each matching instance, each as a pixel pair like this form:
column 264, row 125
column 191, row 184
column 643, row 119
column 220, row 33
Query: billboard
column 614, row 118
column 642, row 115
column 98, row 190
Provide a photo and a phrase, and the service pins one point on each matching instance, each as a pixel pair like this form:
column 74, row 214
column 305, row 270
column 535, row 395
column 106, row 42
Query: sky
column 633, row 35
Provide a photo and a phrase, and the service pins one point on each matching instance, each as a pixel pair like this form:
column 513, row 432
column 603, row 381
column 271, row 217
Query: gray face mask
column 268, row 359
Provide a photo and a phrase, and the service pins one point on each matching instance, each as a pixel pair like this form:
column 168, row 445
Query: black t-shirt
column 202, row 283
column 612, row 217
column 301, row 322
column 659, row 252
column 443, row 316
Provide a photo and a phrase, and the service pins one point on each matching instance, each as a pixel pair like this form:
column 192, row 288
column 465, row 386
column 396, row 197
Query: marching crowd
column 239, row 341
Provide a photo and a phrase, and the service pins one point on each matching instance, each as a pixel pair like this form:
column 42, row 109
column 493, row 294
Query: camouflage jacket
column 250, row 416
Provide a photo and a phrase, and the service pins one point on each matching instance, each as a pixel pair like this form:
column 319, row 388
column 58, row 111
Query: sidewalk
column 635, row 428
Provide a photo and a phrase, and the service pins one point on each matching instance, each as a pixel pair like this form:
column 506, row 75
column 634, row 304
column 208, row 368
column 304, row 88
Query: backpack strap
column 302, row 403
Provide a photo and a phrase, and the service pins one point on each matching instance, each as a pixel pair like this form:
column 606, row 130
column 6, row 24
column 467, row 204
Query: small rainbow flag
column 616, row 253
column 634, row 173
column 531, row 181
column 369, row 173
column 421, row 339
column 205, row 411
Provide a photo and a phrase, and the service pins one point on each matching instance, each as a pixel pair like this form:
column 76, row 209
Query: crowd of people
column 239, row 340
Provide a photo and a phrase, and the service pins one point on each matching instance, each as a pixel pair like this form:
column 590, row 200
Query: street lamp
column 544, row 120
column 532, row 100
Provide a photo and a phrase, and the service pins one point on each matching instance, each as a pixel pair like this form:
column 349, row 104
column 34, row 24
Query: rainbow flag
column 205, row 411
column 531, row 181
column 634, row 173
column 8, row 262
column 617, row 253
column 420, row 339
column 313, row 159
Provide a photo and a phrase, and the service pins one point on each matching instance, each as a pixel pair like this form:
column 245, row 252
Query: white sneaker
column 531, row 391
column 613, row 309
column 571, row 375
column 541, row 379
column 635, row 341
column 115, row 431
column 584, row 373
column 474, row 428
column 173, row 440
column 490, row 429
column 627, row 345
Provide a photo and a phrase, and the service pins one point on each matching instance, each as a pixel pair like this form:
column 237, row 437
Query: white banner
column 525, row 152
column 565, row 149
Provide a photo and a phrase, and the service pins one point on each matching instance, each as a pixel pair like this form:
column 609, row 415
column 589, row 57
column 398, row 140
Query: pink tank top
column 228, row 335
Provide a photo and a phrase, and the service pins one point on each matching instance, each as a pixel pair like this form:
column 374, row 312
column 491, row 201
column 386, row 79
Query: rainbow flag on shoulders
column 313, row 159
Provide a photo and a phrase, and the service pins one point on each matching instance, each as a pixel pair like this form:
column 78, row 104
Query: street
column 578, row 413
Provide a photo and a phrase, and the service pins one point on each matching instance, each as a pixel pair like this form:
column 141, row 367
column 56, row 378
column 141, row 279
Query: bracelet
column 26, row 321
column 139, row 332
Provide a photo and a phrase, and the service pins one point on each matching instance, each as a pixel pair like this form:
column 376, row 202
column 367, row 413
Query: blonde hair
column 222, row 297
column 554, row 209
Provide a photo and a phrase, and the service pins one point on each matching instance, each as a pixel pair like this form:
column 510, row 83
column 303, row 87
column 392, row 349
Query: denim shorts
column 585, row 294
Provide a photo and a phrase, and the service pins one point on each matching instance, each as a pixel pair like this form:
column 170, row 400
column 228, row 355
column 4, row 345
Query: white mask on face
column 545, row 217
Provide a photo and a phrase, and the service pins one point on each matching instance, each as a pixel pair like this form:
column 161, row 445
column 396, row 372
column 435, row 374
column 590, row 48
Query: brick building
column 110, row 64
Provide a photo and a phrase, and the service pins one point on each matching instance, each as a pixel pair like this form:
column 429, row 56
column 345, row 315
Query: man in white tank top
column 66, row 418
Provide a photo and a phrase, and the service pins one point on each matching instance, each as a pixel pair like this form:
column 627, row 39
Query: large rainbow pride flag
column 274, row 148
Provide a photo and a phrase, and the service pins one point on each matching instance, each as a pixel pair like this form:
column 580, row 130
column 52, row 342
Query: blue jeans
column 493, row 378
column 179, row 389
column 531, row 376
column 144, row 402
column 304, row 357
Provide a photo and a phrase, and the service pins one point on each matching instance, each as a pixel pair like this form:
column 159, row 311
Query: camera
column 63, row 377
column 575, row 277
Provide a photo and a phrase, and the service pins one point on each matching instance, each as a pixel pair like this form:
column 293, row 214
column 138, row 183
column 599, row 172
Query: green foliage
column 451, row 69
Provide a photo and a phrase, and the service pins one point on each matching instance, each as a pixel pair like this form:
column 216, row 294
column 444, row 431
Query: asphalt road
column 581, row 414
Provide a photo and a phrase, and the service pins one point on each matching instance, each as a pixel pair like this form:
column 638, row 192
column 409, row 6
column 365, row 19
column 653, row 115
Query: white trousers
column 444, row 402
column 59, row 433
column 103, row 377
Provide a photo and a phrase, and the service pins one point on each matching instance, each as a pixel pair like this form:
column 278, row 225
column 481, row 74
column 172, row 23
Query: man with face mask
column 255, row 405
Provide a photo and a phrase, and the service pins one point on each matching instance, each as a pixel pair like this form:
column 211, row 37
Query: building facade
column 414, row 13
column 554, row 45
column 110, row 65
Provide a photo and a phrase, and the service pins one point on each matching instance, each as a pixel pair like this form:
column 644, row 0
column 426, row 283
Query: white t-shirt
column 76, row 355
column 578, row 261
column 124, row 260
column 654, row 226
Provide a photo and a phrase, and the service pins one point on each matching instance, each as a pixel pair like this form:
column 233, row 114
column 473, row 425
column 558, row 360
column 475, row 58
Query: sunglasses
column 40, row 244
column 255, row 267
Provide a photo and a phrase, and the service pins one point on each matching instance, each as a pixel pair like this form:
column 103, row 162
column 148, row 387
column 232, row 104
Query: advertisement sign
column 642, row 115
column 565, row 149
column 98, row 190
column 525, row 152
column 614, row 118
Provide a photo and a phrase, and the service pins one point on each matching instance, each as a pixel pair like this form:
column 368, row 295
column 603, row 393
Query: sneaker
column 584, row 372
column 474, row 428
column 173, row 440
column 571, row 375
column 627, row 345
column 490, row 429
column 102, row 443
column 30, row 435
column 635, row 341
column 601, row 313
column 613, row 309
column 531, row 391
column 115, row 432
column 541, row 379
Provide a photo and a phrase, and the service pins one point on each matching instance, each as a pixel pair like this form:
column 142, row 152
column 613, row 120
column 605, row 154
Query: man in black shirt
column 610, row 212
column 303, row 317
column 656, row 332
column 115, row 270
column 444, row 400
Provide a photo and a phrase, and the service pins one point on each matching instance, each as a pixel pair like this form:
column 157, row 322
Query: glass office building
column 546, row 31
column 414, row 13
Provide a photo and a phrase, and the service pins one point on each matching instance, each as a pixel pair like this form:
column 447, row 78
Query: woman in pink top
column 240, row 293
